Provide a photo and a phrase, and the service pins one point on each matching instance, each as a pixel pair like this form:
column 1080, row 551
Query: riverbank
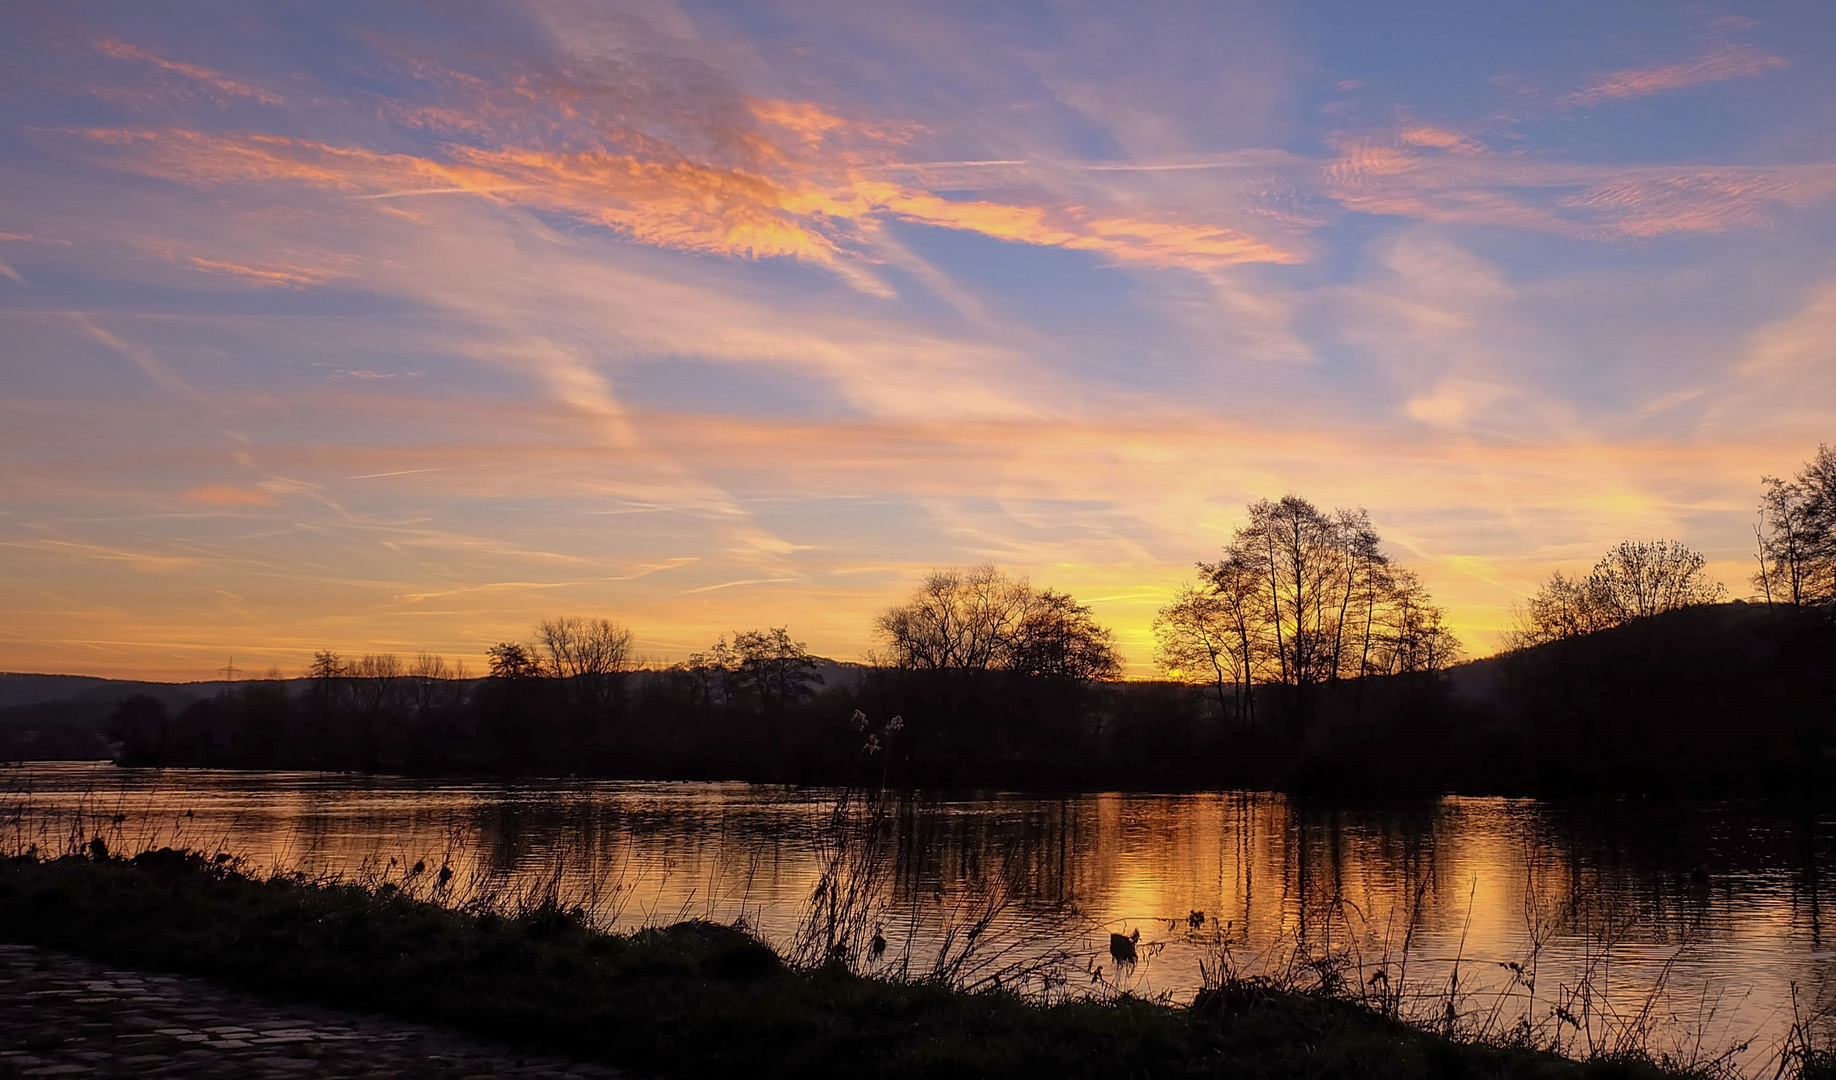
column 692, row 999
column 64, row 1016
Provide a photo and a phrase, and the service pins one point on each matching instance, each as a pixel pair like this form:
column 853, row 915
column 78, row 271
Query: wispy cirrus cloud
column 1728, row 61
column 676, row 203
column 665, row 152
column 28, row 238
column 291, row 277
column 193, row 80
column 141, row 356
column 1436, row 175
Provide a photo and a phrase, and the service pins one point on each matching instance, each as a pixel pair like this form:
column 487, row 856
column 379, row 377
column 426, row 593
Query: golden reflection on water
column 1702, row 918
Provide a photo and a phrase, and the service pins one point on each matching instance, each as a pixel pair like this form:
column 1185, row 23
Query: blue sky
column 401, row 327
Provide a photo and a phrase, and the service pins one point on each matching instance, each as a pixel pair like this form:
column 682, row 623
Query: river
column 1685, row 928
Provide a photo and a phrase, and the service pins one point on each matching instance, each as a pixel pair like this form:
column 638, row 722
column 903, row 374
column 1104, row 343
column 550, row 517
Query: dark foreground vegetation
column 693, row 999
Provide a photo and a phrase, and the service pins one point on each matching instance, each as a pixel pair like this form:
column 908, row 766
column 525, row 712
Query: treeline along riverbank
column 1303, row 659
column 1728, row 699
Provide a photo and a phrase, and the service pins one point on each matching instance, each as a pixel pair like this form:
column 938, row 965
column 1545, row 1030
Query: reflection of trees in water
column 1740, row 886
column 1263, row 867
column 1031, row 845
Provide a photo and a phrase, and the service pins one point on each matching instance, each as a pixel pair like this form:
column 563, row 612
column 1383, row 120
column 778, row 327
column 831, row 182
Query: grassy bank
column 694, row 999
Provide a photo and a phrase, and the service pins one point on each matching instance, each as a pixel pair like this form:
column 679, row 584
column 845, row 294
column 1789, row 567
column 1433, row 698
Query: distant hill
column 33, row 689
column 58, row 717
column 29, row 689
column 1680, row 645
column 61, row 717
column 1692, row 653
column 1731, row 697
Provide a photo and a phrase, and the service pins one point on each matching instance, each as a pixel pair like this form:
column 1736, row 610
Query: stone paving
column 64, row 1016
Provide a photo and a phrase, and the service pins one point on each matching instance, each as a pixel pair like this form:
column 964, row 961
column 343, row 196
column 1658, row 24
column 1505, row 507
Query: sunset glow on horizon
column 382, row 328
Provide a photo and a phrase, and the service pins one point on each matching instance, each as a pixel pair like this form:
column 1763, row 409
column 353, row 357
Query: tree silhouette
column 1214, row 633
column 766, row 667
column 1797, row 534
column 956, row 620
column 512, row 660
column 981, row 619
column 590, row 658
column 1059, row 638
column 1635, row 579
column 1301, row 597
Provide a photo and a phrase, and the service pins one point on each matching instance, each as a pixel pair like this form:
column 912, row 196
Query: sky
column 401, row 327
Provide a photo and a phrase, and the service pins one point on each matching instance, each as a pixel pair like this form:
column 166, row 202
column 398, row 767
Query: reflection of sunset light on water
column 1721, row 951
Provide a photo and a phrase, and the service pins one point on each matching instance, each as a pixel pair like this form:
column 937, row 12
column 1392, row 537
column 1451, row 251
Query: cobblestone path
column 65, row 1016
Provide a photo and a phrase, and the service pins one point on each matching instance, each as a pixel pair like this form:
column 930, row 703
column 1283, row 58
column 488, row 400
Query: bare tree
column 1564, row 607
column 981, row 619
column 1637, row 579
column 716, row 671
column 590, row 658
column 1413, row 636
column 1797, row 534
column 1213, row 632
column 1194, row 642
column 375, row 688
column 592, row 651
column 1363, row 582
column 958, row 619
column 1634, row 580
column 1310, row 566
column 377, row 673
column 1279, row 543
column 773, row 669
column 1059, row 638
column 1301, row 597
column 1234, row 581
column 434, row 685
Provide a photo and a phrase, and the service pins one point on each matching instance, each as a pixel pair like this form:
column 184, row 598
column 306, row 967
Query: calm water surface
column 1702, row 918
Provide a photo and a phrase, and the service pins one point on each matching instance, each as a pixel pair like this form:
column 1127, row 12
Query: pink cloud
column 655, row 193
column 28, row 238
column 212, row 84
column 1722, row 63
column 1430, row 174
column 288, row 278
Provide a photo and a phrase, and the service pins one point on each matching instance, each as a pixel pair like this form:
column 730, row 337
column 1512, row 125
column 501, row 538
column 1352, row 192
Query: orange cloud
column 228, row 495
column 674, row 203
column 677, row 204
column 213, row 84
column 1415, row 177
column 1722, row 63
column 811, row 122
column 663, row 155
column 284, row 278
column 1121, row 238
